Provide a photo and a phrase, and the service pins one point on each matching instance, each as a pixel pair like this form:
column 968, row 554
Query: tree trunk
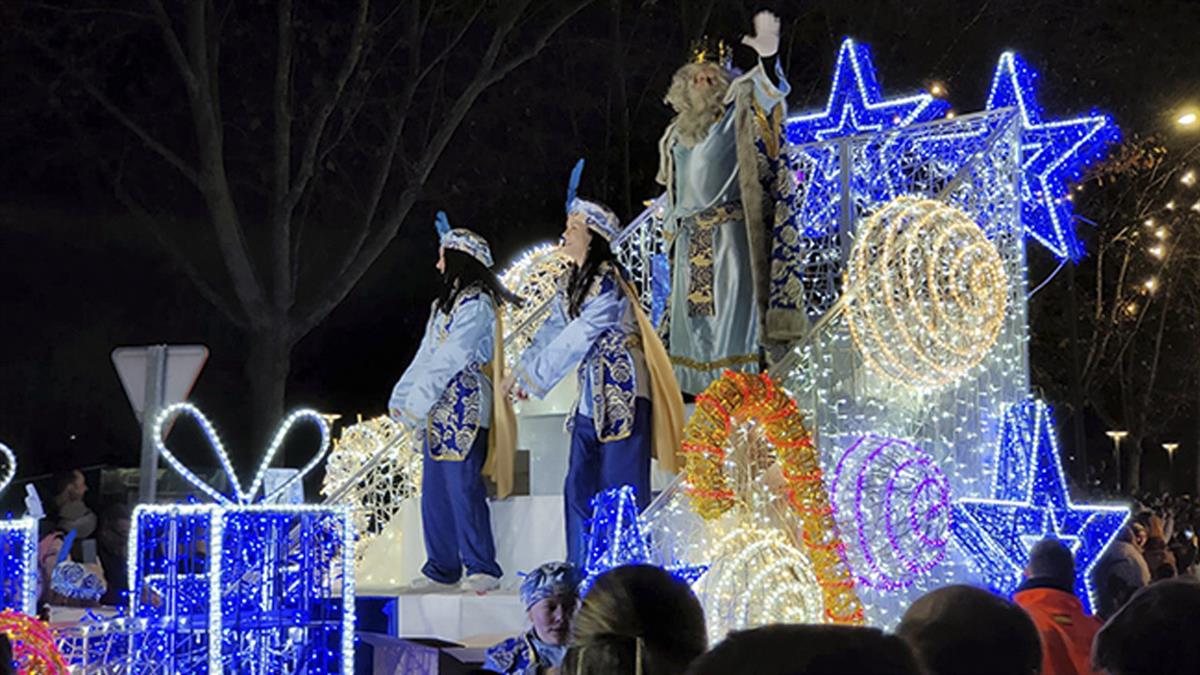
column 268, row 363
column 1133, row 475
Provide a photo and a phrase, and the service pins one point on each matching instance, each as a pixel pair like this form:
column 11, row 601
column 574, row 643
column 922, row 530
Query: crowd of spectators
column 639, row 620
column 81, row 555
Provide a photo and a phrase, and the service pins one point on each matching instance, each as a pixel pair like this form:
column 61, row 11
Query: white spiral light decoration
column 10, row 467
column 757, row 578
column 892, row 507
column 926, row 292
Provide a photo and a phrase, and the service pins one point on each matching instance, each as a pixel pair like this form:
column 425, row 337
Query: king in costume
column 446, row 394
column 629, row 405
column 720, row 161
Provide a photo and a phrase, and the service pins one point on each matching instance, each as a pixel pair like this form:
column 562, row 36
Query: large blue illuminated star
column 1053, row 154
column 615, row 538
column 1030, row 501
column 856, row 104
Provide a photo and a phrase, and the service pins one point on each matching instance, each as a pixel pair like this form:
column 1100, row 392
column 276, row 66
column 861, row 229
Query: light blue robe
column 713, row 316
column 445, row 394
column 444, row 391
column 603, row 344
column 611, row 425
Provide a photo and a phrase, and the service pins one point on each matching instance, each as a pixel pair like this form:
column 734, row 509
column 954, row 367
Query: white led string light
column 218, row 513
column 243, row 496
column 10, row 469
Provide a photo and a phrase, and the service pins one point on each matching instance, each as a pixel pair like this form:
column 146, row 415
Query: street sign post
column 155, row 377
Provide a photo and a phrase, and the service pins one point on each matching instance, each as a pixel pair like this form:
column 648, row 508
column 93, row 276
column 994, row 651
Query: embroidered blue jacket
column 523, row 655
column 444, row 390
column 604, row 342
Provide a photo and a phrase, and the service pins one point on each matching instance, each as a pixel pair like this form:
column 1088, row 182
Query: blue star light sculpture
column 1030, row 501
column 615, row 538
column 856, row 104
column 1054, row 153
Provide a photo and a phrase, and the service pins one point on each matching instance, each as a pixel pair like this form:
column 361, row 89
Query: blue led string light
column 244, row 587
column 1054, row 153
column 615, row 538
column 1029, row 501
column 18, row 551
column 856, row 104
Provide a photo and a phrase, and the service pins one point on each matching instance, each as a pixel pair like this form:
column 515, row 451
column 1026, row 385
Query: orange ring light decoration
column 737, row 398
column 33, row 646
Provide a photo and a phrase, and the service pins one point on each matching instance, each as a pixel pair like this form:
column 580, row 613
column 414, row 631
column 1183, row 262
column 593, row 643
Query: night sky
column 79, row 276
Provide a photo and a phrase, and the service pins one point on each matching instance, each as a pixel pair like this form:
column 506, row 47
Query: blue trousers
column 595, row 467
column 455, row 516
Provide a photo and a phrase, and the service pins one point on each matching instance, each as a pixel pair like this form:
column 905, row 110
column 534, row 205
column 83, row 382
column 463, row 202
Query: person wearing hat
column 551, row 595
column 722, row 162
column 629, row 405
column 446, row 396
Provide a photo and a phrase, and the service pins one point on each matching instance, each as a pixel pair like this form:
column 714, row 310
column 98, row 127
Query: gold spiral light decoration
column 534, row 276
column 376, row 495
column 926, row 292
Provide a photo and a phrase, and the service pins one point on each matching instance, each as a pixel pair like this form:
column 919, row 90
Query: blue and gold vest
column 455, row 418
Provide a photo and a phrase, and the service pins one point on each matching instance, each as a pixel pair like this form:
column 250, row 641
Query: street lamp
column 1187, row 119
column 1170, row 448
column 1117, row 437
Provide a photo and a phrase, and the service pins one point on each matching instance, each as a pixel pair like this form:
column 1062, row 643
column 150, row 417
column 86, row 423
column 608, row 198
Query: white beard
column 692, row 127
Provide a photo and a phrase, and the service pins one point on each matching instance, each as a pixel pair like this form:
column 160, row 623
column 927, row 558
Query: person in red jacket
column 1048, row 596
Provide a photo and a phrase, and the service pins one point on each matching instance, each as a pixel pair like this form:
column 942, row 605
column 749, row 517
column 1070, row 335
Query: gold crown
column 712, row 51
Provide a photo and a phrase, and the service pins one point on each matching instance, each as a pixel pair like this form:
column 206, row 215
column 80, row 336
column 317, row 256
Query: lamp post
column 1170, row 448
column 1117, row 437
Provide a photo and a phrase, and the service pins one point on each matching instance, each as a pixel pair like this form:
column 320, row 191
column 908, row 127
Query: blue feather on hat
column 442, row 222
column 572, row 186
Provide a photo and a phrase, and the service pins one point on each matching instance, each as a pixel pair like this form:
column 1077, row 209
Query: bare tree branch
column 487, row 75
column 214, row 183
column 353, row 53
column 174, row 48
column 156, row 146
column 377, row 189
column 282, row 109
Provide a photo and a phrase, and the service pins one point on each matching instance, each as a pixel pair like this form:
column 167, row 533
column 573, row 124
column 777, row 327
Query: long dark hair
column 580, row 282
column 464, row 271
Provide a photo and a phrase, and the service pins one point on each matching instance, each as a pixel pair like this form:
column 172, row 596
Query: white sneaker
column 424, row 584
column 481, row 583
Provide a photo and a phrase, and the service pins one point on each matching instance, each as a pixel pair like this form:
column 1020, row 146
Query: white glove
column 765, row 40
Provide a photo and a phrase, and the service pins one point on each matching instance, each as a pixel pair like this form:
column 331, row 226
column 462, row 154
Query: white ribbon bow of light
column 243, row 497
column 10, row 470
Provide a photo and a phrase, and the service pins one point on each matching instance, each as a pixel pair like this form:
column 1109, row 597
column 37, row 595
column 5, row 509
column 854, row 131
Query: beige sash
column 665, row 400
column 502, row 439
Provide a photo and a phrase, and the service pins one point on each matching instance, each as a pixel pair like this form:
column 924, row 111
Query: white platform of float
column 528, row 531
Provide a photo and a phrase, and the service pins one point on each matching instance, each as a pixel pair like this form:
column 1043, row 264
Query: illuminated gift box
column 18, row 553
column 240, row 587
column 18, row 565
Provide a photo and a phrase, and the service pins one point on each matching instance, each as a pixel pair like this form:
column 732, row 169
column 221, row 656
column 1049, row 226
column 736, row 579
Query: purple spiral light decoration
column 892, row 505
